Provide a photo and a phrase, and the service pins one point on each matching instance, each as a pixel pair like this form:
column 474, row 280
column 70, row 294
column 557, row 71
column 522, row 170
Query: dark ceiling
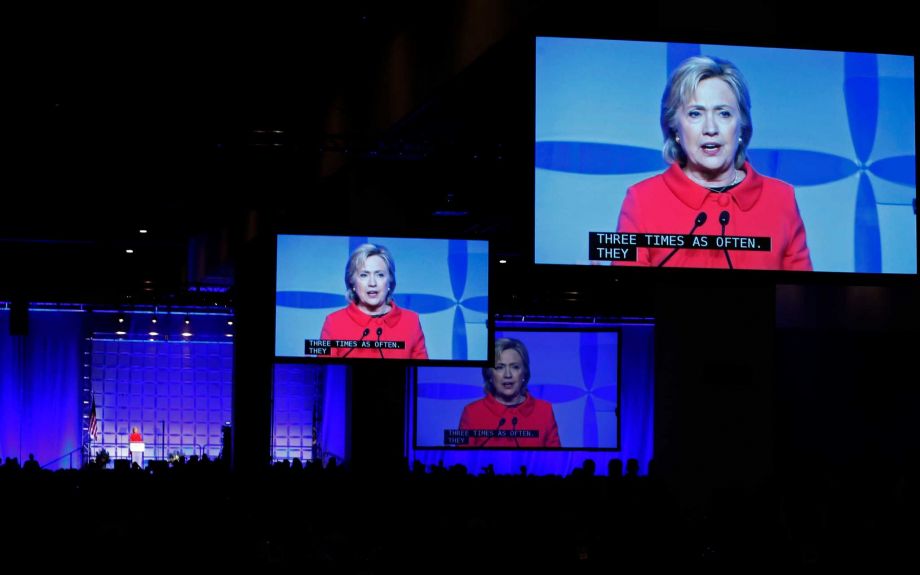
column 199, row 127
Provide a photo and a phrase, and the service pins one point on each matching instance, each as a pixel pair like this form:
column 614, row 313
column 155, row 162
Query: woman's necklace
column 735, row 179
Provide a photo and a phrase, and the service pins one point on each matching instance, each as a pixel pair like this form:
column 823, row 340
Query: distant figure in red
column 135, row 435
column 508, row 406
column 372, row 315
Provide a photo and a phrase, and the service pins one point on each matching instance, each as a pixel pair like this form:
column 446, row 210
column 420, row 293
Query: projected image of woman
column 507, row 405
column 372, row 315
column 710, row 186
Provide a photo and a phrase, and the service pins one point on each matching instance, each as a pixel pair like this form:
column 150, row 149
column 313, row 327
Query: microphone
column 700, row 220
column 501, row 422
column 723, row 219
column 379, row 331
column 367, row 330
column 514, row 428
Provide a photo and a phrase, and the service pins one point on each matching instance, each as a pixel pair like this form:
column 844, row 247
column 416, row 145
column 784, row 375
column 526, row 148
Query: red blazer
column 136, row 437
column 759, row 206
column 397, row 325
column 532, row 414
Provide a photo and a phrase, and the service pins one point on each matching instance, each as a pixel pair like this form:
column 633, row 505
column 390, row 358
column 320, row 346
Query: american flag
column 93, row 425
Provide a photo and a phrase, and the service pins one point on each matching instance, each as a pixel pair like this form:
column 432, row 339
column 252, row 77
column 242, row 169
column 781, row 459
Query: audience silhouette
column 293, row 513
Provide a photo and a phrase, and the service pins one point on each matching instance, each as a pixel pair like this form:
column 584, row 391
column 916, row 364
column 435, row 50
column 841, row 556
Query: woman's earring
column 677, row 139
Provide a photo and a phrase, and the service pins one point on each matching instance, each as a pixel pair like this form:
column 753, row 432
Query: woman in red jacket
column 372, row 317
column 508, row 415
column 710, row 186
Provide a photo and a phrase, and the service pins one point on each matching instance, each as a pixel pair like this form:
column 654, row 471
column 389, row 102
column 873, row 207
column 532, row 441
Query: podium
column 136, row 448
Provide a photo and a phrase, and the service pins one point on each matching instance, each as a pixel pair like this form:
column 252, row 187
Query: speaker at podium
column 136, row 447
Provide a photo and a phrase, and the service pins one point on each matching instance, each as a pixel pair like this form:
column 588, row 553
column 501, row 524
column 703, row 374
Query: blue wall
column 182, row 389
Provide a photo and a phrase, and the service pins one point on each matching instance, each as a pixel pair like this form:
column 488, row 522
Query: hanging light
column 121, row 324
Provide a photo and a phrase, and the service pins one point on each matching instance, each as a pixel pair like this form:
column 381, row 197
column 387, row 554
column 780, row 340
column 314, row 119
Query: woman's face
column 508, row 377
column 371, row 283
column 708, row 126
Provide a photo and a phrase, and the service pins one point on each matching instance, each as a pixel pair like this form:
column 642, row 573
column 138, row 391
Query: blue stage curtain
column 40, row 375
column 334, row 407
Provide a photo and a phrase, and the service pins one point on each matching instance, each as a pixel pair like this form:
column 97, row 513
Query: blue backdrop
column 299, row 393
column 444, row 281
column 178, row 394
column 839, row 126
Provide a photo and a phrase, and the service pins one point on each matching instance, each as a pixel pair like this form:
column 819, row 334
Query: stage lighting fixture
column 121, row 324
